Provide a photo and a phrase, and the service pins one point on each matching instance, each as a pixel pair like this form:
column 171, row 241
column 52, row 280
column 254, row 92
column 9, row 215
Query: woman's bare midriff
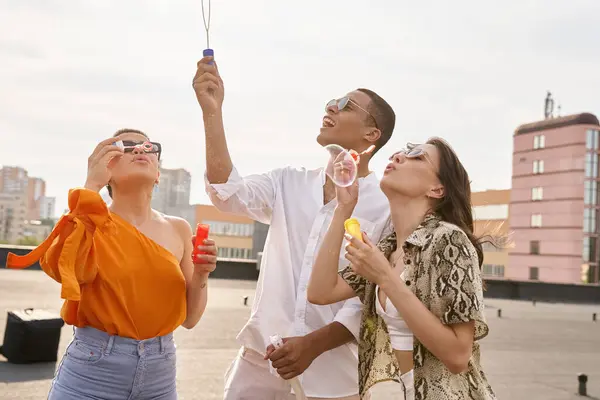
column 405, row 359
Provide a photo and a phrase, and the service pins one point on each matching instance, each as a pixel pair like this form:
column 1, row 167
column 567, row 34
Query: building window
column 537, row 193
column 591, row 141
column 534, row 273
column 593, row 275
column 538, row 166
column 539, row 142
column 234, row 253
column 534, row 247
column 496, row 271
column 536, row 220
column 230, row 228
column 490, row 212
column 591, row 165
column 589, row 249
column 589, row 220
column 590, row 192
column 488, row 247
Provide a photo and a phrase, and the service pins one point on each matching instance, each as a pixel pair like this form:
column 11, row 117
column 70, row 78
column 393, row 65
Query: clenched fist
column 208, row 86
column 100, row 162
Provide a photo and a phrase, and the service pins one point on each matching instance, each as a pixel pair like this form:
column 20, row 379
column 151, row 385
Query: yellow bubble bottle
column 352, row 226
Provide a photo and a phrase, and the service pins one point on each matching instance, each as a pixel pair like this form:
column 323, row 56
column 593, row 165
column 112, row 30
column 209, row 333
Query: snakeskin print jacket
column 442, row 270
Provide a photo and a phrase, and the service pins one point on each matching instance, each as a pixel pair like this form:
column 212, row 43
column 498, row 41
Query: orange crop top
column 114, row 278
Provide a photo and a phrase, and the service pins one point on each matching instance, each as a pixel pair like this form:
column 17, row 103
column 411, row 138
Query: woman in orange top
column 127, row 276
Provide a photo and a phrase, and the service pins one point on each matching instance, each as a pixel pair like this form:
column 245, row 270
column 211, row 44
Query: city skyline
column 162, row 197
column 26, row 213
column 15, row 179
column 470, row 74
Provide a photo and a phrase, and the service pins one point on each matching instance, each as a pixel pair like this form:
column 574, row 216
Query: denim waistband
column 155, row 345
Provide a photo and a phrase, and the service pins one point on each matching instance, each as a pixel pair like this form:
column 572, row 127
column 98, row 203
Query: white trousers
column 249, row 378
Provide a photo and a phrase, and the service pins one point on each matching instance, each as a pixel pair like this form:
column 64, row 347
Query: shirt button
column 407, row 262
column 407, row 283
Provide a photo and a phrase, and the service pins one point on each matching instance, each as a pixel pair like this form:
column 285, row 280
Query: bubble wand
column 208, row 51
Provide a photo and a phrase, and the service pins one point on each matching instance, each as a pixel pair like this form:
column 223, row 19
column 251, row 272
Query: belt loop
column 161, row 340
column 109, row 345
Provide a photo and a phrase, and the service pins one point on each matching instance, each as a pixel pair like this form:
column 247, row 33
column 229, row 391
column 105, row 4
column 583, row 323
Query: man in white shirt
column 298, row 204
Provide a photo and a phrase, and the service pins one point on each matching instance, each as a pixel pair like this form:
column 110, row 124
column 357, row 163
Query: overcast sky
column 72, row 72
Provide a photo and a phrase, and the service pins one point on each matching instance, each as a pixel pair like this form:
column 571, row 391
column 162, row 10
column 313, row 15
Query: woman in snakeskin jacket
column 427, row 272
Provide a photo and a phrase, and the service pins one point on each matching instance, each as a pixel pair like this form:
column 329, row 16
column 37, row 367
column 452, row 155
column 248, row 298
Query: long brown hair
column 455, row 207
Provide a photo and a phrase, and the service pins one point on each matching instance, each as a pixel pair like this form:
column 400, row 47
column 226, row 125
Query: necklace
column 400, row 254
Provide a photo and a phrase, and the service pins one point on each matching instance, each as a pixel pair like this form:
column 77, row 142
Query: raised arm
column 195, row 272
column 451, row 262
column 210, row 93
column 325, row 285
column 67, row 255
column 252, row 196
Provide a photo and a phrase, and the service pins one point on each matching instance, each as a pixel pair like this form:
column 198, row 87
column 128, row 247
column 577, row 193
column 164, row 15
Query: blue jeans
column 99, row 366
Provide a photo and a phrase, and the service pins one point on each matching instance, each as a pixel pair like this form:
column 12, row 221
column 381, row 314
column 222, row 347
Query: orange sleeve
column 69, row 255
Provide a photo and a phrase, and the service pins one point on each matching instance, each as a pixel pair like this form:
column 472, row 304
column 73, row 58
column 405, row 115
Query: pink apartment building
column 554, row 201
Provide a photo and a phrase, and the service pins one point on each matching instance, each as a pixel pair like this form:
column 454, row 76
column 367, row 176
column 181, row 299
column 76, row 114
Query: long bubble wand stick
column 277, row 342
column 208, row 51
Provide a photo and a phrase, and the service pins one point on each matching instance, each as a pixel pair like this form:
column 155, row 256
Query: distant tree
column 28, row 241
column 48, row 222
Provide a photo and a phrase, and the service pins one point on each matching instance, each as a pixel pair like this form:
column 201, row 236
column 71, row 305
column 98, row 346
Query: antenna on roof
column 549, row 106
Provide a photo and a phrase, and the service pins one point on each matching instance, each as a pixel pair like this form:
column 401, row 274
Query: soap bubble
column 342, row 166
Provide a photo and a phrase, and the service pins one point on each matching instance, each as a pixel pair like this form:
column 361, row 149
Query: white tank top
column 401, row 336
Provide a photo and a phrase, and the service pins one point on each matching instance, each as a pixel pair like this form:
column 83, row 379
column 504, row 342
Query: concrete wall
column 542, row 291
column 495, row 288
column 226, row 269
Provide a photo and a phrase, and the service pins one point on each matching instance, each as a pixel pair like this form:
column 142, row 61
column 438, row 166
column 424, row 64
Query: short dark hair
column 119, row 133
column 384, row 116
